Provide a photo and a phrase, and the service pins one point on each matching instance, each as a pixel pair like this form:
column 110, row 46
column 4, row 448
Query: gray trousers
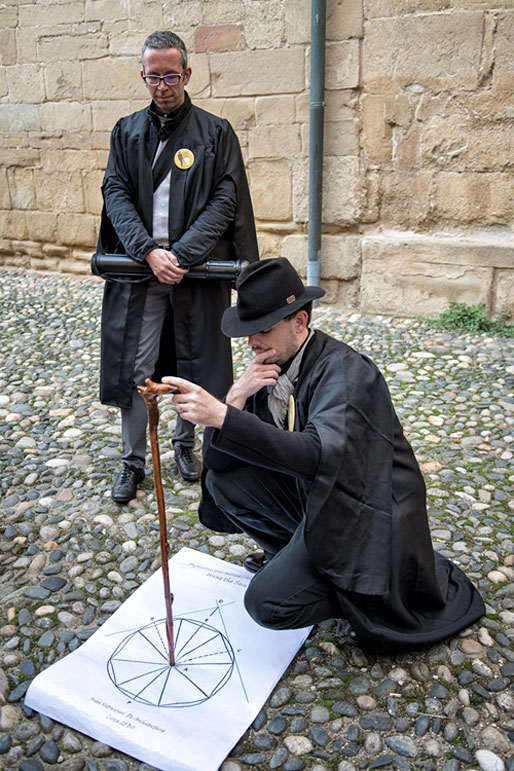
column 134, row 421
column 289, row 593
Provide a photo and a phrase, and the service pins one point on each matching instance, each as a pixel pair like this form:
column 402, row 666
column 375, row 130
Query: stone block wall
column 418, row 204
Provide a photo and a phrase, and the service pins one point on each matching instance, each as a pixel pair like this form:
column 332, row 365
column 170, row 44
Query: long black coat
column 366, row 526
column 191, row 345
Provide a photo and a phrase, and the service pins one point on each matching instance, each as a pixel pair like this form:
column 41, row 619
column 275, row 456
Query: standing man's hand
column 195, row 404
column 257, row 375
column 165, row 266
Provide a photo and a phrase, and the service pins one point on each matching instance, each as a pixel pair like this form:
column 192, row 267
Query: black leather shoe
column 125, row 484
column 255, row 562
column 189, row 466
column 345, row 632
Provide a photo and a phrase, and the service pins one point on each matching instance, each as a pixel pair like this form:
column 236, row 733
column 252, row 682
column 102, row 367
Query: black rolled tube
column 120, row 267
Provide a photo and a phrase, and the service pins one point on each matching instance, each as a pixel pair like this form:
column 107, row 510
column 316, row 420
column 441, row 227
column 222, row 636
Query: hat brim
column 233, row 326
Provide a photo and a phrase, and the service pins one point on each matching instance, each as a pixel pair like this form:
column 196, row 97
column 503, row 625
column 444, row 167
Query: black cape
column 366, row 525
column 191, row 344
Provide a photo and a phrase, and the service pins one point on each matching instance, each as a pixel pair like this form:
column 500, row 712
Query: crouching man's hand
column 196, row 404
column 257, row 375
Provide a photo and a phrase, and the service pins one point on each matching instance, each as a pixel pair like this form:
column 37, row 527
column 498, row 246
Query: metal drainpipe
column 317, row 106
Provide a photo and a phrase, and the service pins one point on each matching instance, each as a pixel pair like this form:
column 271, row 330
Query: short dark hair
column 308, row 310
column 165, row 39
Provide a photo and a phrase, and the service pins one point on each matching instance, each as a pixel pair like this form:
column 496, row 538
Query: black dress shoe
column 189, row 466
column 345, row 632
column 255, row 562
column 125, row 484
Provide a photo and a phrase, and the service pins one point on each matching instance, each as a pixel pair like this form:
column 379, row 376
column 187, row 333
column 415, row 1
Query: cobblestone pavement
column 70, row 556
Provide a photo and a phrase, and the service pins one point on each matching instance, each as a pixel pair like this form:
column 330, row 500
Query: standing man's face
column 166, row 61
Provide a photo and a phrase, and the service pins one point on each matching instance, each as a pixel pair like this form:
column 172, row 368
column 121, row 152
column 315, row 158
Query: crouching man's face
column 284, row 338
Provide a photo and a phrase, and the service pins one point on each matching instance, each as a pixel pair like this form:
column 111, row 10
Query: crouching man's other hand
column 195, row 404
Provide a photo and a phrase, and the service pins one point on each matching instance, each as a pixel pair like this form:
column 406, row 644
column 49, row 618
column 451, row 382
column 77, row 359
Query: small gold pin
column 290, row 299
column 184, row 158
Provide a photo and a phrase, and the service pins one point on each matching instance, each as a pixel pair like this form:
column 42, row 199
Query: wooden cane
column 150, row 393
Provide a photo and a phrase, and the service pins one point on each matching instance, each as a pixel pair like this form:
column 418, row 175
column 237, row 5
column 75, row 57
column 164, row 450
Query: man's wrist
column 150, row 250
column 235, row 397
column 221, row 413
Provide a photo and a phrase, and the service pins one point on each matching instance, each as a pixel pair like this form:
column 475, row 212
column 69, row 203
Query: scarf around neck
column 166, row 124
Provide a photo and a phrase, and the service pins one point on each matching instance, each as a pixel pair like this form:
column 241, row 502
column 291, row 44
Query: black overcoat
column 192, row 345
column 366, row 526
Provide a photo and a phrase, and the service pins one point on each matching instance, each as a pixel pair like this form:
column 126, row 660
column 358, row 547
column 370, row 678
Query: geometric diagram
column 226, row 666
column 204, row 662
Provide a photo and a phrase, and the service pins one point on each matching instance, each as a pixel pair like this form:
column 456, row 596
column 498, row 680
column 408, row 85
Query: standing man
column 175, row 194
column 307, row 456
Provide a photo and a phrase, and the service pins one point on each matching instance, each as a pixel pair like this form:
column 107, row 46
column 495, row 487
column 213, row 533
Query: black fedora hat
column 267, row 291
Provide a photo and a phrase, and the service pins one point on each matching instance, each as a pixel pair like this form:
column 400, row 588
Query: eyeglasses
column 170, row 80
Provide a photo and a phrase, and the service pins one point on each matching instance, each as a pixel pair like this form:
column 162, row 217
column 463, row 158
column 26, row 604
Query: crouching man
column 306, row 456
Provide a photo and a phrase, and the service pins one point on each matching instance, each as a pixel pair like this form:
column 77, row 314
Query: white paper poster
column 119, row 688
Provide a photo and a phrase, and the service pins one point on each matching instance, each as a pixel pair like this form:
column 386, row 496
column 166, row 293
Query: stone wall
column 418, row 197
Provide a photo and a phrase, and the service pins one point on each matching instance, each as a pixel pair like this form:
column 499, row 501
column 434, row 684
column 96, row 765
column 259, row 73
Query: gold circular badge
column 184, row 158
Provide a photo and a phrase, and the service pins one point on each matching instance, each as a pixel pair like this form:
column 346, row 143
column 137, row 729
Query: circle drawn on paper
column 204, row 661
column 184, row 158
